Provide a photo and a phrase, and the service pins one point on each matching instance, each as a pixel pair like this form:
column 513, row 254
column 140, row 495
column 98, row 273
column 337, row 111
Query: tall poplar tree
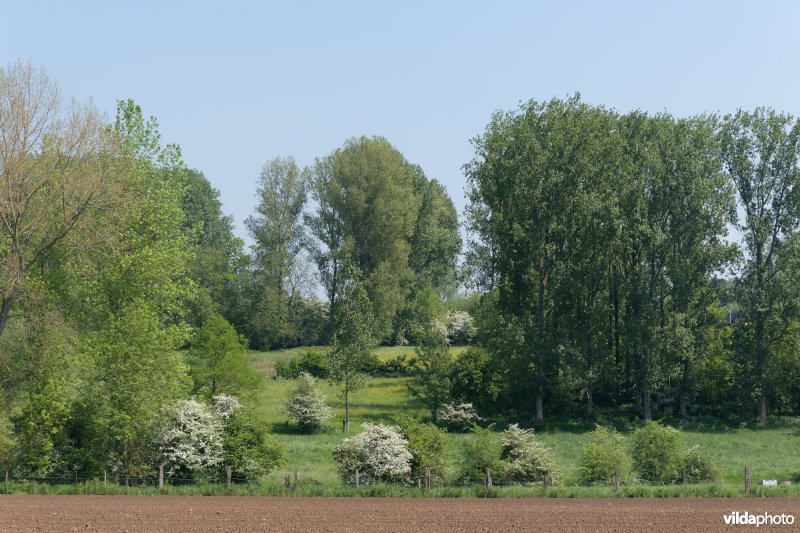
column 760, row 150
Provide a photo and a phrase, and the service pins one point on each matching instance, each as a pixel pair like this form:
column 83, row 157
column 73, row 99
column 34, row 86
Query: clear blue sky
column 238, row 83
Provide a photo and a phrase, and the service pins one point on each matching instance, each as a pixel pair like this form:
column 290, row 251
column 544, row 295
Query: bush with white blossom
column 190, row 443
column 197, row 441
column 525, row 459
column 306, row 404
column 461, row 327
column 458, row 416
column 226, row 406
column 379, row 453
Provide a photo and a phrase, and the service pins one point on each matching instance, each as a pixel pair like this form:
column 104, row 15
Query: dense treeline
column 600, row 251
column 602, row 248
column 125, row 291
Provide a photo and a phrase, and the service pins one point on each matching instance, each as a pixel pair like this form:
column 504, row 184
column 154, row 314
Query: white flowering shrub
column 525, row 459
column 461, row 327
column 225, row 406
column 306, row 404
column 191, row 442
column 699, row 466
column 379, row 453
column 458, row 417
column 441, row 328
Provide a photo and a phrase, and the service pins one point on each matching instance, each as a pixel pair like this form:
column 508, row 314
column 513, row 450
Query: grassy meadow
column 771, row 453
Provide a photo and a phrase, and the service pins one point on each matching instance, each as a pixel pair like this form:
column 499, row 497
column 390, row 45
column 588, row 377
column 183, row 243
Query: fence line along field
column 240, row 514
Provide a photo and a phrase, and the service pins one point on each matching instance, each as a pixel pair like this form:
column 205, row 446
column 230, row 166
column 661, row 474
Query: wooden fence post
column 358, row 479
column 427, row 479
column 544, row 481
column 105, row 478
column 294, row 486
column 488, row 478
column 76, row 477
column 746, row 479
column 684, row 477
column 160, row 476
column 228, row 475
column 6, row 480
column 419, row 482
column 616, row 481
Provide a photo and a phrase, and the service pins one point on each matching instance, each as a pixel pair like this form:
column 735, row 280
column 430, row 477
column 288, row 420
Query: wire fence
column 294, row 482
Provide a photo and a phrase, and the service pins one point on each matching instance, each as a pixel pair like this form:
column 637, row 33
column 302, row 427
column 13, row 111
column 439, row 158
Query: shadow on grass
column 290, row 428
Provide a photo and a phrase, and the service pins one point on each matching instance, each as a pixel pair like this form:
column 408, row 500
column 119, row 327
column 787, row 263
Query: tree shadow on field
column 291, row 428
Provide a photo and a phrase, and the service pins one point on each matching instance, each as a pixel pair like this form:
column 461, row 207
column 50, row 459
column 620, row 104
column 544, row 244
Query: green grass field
column 772, row 453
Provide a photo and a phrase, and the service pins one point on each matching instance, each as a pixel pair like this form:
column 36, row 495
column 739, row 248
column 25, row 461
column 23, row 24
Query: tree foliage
column 353, row 341
column 218, row 361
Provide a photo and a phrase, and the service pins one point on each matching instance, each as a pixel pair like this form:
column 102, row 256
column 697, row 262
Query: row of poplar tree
column 636, row 259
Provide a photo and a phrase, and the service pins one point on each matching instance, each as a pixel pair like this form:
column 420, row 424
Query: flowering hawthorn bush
column 524, row 458
column 460, row 327
column 306, row 404
column 197, row 441
column 225, row 406
column 699, row 466
column 458, row 417
column 379, row 453
column 191, row 441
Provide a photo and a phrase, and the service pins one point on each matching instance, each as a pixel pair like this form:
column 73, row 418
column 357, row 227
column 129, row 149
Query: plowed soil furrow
column 235, row 513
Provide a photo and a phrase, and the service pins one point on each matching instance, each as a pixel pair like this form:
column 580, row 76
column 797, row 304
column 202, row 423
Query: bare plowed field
column 234, row 513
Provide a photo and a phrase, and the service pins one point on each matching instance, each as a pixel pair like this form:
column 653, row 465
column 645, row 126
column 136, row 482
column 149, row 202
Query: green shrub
column 657, row 453
column 604, row 457
column 476, row 378
column 6, row 445
column 481, row 450
column 311, row 362
column 699, row 466
column 525, row 459
column 426, row 444
column 247, row 447
column 39, row 427
column 402, row 365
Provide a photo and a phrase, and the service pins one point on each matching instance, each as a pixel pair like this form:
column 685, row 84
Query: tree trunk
column 683, row 399
column 590, row 370
column 540, row 342
column 5, row 310
column 647, row 412
column 637, row 382
column 762, row 408
column 346, row 412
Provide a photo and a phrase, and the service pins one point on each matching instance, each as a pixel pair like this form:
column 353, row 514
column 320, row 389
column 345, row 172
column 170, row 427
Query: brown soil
column 236, row 513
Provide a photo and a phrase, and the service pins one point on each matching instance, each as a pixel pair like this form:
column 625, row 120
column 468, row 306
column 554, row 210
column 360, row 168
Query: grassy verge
column 401, row 491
